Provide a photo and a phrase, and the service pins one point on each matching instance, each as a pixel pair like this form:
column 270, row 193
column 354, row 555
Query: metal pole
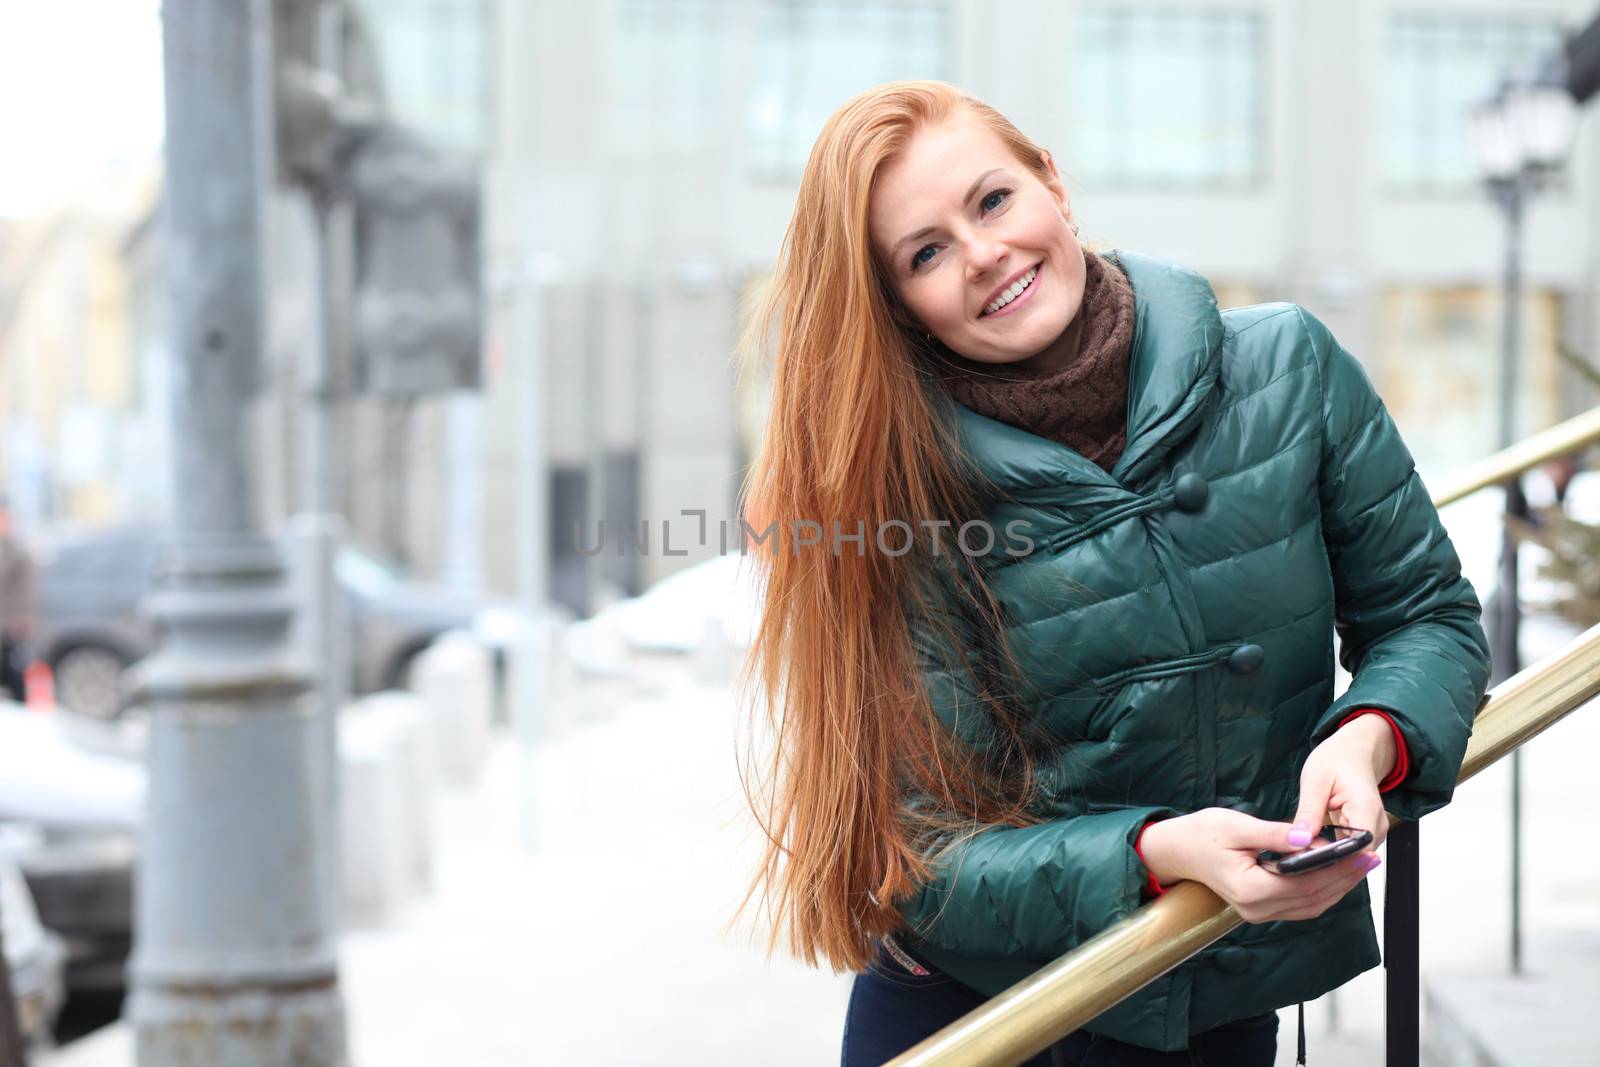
column 1506, row 654
column 318, row 531
column 1401, row 933
column 533, row 462
column 234, row 961
column 319, row 525
column 522, row 273
column 463, row 526
column 1402, row 946
column 533, row 519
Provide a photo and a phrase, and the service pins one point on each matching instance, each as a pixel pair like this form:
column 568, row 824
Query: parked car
column 69, row 821
column 72, row 786
column 91, row 629
column 81, row 878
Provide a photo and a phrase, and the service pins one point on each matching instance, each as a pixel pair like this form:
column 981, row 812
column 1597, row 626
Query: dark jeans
column 892, row 1009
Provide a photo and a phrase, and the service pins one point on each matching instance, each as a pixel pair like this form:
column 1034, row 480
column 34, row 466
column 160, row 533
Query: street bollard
column 534, row 664
column 453, row 676
column 413, row 739
column 376, row 857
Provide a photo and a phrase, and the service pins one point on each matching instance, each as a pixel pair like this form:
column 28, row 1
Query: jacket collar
column 1176, row 357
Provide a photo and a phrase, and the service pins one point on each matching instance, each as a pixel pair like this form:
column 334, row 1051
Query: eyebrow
column 965, row 200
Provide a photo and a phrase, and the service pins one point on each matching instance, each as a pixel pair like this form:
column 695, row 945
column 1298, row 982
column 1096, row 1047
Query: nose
column 984, row 257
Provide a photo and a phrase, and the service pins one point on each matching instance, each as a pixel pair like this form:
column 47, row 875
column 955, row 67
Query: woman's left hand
column 1341, row 776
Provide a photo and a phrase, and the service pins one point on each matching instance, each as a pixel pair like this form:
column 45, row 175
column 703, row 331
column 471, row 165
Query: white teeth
column 1013, row 292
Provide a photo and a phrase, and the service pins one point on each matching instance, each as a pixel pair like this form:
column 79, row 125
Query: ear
column 1057, row 187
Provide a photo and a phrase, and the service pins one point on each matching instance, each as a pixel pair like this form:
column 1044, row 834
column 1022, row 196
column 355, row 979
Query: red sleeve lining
column 1402, row 759
column 1152, row 887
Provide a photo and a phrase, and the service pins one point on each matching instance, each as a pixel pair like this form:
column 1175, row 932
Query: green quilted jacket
column 1174, row 622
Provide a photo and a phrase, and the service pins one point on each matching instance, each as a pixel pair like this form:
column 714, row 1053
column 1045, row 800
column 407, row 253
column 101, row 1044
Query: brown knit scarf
column 1084, row 405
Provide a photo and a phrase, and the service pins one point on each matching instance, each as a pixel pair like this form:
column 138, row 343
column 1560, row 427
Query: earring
column 1074, row 226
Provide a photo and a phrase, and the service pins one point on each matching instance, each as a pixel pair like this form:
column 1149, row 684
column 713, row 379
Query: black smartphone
column 1312, row 859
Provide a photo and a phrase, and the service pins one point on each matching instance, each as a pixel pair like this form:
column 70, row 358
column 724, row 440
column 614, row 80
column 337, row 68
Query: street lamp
column 1521, row 137
column 1524, row 129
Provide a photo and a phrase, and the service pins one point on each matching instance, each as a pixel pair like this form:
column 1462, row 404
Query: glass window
column 666, row 61
column 1436, row 68
column 813, row 56
column 1168, row 98
column 435, row 66
column 364, row 572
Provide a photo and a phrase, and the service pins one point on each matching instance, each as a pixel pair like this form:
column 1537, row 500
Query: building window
column 667, row 62
column 1172, row 99
column 435, row 66
column 813, row 56
column 1436, row 67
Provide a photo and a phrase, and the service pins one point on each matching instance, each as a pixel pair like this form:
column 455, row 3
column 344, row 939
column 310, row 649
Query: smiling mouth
column 1013, row 294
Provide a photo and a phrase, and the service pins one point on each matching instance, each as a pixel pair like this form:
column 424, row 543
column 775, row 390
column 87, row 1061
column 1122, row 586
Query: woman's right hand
column 1217, row 847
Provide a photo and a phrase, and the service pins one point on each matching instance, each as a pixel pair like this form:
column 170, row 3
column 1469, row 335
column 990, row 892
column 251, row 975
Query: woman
column 991, row 748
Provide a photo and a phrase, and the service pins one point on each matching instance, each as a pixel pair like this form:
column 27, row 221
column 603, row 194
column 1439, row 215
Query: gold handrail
column 1526, row 454
column 1122, row 959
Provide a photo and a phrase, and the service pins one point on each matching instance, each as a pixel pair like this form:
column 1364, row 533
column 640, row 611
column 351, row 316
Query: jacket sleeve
column 1032, row 891
column 1407, row 620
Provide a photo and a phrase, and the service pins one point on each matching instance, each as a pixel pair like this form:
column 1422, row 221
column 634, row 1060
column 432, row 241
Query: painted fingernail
column 1375, row 862
column 1299, row 838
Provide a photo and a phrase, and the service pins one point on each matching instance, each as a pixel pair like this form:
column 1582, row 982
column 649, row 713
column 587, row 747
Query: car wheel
column 88, row 680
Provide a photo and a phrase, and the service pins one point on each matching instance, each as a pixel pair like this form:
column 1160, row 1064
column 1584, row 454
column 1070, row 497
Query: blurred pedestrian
column 1562, row 470
column 17, row 604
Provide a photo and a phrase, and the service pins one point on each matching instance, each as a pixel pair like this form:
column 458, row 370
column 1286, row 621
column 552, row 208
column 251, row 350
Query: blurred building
column 640, row 161
column 77, row 424
column 645, row 155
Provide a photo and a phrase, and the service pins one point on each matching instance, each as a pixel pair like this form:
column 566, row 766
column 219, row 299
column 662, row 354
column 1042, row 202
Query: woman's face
column 957, row 221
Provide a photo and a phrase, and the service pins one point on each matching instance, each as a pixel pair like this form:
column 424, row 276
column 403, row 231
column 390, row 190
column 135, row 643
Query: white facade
column 636, row 191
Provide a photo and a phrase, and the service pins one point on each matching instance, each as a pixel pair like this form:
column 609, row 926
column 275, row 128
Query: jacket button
column 1247, row 659
column 1233, row 960
column 1190, row 492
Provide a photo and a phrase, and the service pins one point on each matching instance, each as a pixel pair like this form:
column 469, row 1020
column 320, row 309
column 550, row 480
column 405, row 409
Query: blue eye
column 917, row 259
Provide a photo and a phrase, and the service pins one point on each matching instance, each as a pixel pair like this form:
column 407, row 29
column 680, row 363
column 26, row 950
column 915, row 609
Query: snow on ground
column 605, row 943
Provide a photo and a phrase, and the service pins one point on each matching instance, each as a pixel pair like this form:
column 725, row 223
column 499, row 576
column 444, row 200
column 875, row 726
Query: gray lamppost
column 234, row 960
column 1520, row 137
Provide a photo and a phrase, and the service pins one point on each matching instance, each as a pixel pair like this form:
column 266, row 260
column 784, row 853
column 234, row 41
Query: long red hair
column 864, row 783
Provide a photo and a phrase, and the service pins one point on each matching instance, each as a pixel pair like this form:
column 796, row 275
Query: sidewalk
column 604, row 945
column 601, row 946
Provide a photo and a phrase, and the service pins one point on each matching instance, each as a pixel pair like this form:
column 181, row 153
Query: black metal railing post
column 1402, row 961
column 1511, row 194
column 1506, row 655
